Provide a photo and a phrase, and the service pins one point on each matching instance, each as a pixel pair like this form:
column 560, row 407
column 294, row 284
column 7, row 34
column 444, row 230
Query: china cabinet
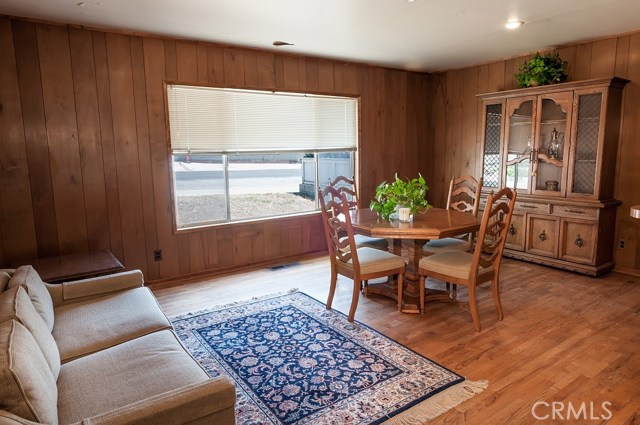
column 557, row 146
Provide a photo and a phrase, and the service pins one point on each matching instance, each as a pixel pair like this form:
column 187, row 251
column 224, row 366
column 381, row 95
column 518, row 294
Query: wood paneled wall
column 455, row 126
column 84, row 160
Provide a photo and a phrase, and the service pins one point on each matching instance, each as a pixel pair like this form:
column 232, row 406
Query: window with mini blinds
column 242, row 154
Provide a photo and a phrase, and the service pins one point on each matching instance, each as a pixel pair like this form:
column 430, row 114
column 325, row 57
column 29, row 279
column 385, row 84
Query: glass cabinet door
column 552, row 150
column 587, row 137
column 492, row 139
column 519, row 139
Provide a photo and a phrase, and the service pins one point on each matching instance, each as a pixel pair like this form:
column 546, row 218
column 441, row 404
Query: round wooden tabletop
column 435, row 223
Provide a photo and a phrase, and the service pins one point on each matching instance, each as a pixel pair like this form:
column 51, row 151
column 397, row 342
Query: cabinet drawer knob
column 512, row 230
column 579, row 242
column 574, row 211
column 542, row 236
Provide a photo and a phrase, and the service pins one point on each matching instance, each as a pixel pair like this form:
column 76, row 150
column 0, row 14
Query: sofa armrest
column 7, row 418
column 211, row 401
column 79, row 290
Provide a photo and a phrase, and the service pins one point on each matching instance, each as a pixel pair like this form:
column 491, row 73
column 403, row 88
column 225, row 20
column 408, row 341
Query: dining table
column 408, row 239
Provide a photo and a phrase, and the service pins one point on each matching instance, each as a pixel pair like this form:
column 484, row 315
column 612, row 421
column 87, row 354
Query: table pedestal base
column 411, row 251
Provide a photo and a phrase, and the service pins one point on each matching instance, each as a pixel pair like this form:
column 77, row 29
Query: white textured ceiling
column 426, row 35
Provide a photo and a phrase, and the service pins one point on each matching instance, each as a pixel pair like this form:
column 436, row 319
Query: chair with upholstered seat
column 483, row 265
column 357, row 263
column 464, row 195
column 348, row 186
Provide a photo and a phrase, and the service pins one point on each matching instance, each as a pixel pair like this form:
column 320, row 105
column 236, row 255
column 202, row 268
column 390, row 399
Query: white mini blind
column 213, row 120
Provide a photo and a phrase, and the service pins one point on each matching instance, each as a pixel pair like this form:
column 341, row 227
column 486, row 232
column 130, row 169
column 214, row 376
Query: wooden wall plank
column 568, row 54
column 278, row 66
column 453, row 135
column 233, row 67
column 144, row 154
column 88, row 116
column 290, row 73
column 325, row 76
column 266, row 78
column 313, row 81
column 225, row 247
column 302, row 74
column 469, row 138
column 16, row 213
column 622, row 56
column 603, row 58
column 211, row 240
column 198, row 252
column 510, row 70
column 350, row 83
column 62, row 132
column 125, row 133
column 154, row 66
column 496, row 77
column 203, row 63
column 35, row 133
column 108, row 145
column 583, row 62
column 439, row 119
column 186, row 71
column 215, row 64
column 251, row 68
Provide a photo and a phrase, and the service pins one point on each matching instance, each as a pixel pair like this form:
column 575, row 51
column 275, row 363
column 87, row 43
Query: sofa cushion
column 27, row 386
column 4, row 280
column 15, row 304
column 126, row 373
column 27, row 277
column 86, row 327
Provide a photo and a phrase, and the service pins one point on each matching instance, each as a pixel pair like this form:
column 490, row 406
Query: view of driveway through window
column 259, row 185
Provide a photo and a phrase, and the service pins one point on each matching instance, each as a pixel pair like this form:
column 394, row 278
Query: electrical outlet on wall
column 157, row 255
column 621, row 244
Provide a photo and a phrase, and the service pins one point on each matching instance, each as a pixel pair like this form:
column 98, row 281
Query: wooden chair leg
column 495, row 292
column 422, row 294
column 332, row 287
column 454, row 292
column 365, row 288
column 400, row 289
column 354, row 299
column 473, row 306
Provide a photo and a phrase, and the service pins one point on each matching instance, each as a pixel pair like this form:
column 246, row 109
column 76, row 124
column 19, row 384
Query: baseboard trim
column 223, row 271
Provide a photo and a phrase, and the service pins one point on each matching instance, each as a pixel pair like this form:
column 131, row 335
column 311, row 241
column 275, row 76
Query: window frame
column 355, row 158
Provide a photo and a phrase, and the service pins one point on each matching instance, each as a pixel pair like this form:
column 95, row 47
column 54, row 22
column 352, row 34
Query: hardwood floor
column 565, row 338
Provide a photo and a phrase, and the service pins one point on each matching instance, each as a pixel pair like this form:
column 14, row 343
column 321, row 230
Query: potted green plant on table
column 401, row 198
column 541, row 70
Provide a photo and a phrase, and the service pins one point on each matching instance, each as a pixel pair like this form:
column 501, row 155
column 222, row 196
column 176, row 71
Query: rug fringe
column 439, row 403
column 235, row 303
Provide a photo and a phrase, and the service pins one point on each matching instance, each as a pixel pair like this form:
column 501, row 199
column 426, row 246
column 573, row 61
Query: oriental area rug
column 294, row 362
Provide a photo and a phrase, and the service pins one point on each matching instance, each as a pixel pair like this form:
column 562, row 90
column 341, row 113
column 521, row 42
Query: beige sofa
column 98, row 351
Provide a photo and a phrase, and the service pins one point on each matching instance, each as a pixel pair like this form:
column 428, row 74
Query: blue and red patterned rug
column 294, row 362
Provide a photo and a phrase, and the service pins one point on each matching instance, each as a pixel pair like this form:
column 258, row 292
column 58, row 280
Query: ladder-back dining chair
column 464, row 195
column 483, row 265
column 357, row 263
column 348, row 186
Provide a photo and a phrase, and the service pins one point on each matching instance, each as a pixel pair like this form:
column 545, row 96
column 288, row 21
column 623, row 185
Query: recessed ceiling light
column 511, row 25
column 410, row 1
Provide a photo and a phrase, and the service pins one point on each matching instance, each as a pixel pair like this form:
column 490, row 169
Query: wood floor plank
column 565, row 337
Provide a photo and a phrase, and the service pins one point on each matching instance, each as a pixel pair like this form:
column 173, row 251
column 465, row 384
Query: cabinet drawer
column 576, row 211
column 532, row 207
column 542, row 235
column 578, row 241
column 516, row 232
